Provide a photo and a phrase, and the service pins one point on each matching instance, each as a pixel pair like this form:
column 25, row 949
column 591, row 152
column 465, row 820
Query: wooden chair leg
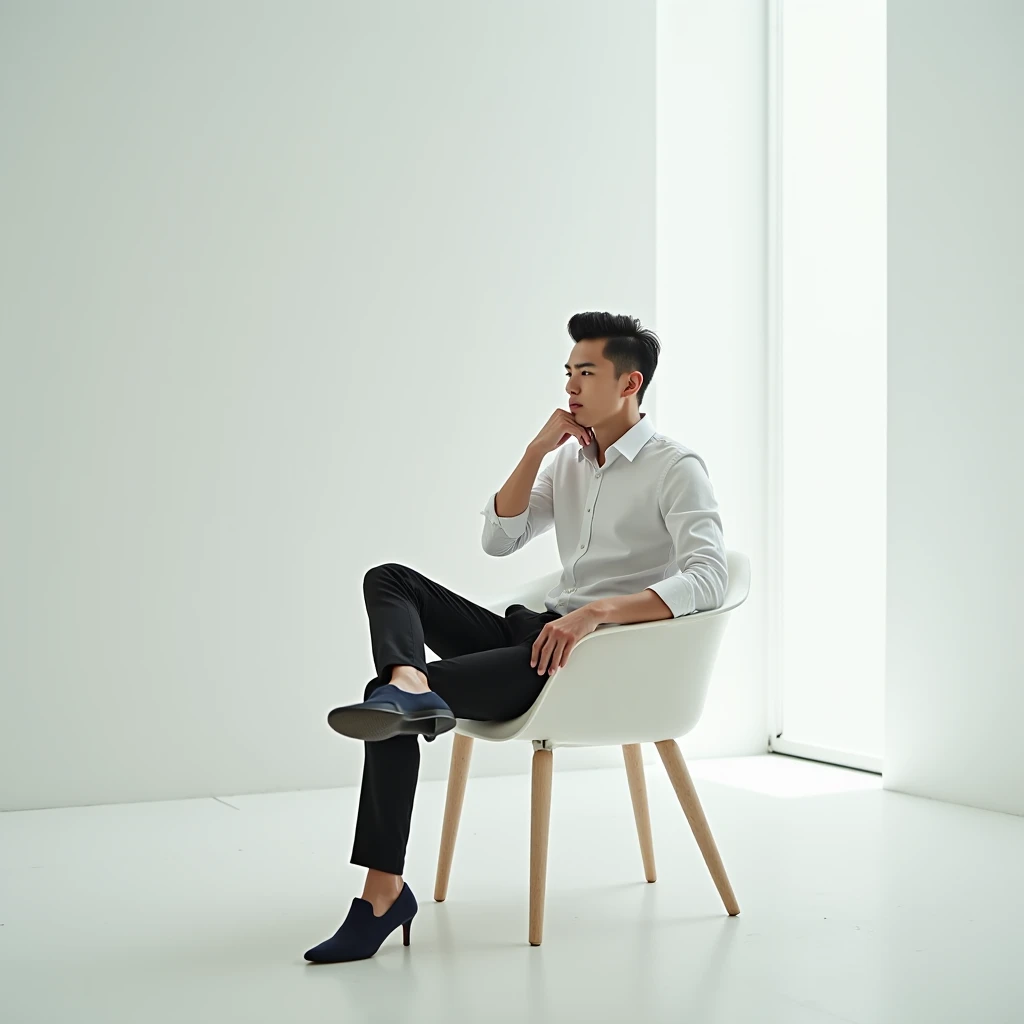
column 641, row 811
column 672, row 757
column 540, row 819
column 462, row 749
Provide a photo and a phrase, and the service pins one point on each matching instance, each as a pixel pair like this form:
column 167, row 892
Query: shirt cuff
column 513, row 526
column 677, row 593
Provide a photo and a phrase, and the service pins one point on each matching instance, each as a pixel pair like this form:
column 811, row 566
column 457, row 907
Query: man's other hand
column 557, row 639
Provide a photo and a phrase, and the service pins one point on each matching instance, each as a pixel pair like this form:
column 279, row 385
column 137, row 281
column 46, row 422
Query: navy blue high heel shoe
column 391, row 711
column 362, row 932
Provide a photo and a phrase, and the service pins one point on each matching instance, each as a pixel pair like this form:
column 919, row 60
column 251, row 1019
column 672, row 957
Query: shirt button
column 588, row 509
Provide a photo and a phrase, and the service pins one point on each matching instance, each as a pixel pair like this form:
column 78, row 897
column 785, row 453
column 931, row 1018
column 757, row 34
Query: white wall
column 955, row 660
column 711, row 312
column 285, row 290
column 284, row 294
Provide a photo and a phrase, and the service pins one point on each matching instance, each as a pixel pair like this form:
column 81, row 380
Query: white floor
column 857, row 905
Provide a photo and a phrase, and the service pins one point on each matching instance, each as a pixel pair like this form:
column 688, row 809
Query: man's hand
column 561, row 425
column 552, row 648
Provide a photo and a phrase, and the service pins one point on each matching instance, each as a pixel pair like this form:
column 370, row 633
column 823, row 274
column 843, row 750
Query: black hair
column 629, row 346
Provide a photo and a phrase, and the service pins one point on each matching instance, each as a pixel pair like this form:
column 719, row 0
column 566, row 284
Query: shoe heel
column 406, row 928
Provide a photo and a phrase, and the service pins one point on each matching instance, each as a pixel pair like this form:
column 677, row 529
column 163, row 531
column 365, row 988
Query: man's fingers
column 545, row 655
column 581, row 433
column 550, row 651
column 556, row 656
column 538, row 644
column 542, row 660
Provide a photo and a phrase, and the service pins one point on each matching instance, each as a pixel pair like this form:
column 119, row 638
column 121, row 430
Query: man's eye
column 583, row 373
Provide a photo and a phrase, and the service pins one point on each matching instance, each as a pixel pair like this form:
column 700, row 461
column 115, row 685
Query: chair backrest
column 634, row 683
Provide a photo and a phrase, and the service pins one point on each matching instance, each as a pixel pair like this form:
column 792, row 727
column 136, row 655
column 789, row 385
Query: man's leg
column 407, row 610
column 486, row 686
column 484, row 674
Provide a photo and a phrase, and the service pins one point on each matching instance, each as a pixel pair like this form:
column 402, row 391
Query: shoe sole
column 375, row 724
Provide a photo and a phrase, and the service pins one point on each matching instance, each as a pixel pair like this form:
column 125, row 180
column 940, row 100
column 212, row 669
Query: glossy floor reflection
column 857, row 905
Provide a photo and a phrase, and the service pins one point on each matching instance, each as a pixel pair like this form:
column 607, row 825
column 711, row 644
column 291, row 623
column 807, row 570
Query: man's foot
column 391, row 711
column 405, row 677
column 382, row 897
column 362, row 932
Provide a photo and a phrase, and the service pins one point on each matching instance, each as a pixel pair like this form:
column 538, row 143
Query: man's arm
column 687, row 501
column 522, row 509
column 642, row 607
column 688, row 504
column 514, row 497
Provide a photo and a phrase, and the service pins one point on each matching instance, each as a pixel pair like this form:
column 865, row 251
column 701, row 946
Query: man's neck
column 606, row 434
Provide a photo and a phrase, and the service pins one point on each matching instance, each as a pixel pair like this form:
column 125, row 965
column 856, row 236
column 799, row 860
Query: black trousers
column 483, row 673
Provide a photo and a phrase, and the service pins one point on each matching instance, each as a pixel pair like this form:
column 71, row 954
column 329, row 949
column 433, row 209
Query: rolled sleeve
column 512, row 526
column 503, row 535
column 690, row 510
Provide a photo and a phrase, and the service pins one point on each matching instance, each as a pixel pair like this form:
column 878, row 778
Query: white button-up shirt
column 646, row 519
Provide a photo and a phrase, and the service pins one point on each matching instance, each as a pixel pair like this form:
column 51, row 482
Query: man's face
column 590, row 381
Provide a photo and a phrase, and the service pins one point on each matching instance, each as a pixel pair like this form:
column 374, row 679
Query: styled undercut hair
column 629, row 346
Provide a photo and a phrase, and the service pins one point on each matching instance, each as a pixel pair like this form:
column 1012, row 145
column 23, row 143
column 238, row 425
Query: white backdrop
column 954, row 699
column 284, row 295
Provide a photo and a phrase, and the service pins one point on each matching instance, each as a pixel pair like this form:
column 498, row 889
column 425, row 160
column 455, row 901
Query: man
column 639, row 537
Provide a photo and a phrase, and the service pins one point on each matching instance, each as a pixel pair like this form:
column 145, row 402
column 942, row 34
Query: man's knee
column 385, row 569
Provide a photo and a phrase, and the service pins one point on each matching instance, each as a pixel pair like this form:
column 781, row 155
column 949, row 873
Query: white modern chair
column 623, row 685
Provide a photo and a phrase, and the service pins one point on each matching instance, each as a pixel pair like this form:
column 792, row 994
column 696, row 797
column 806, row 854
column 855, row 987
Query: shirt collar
column 629, row 444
